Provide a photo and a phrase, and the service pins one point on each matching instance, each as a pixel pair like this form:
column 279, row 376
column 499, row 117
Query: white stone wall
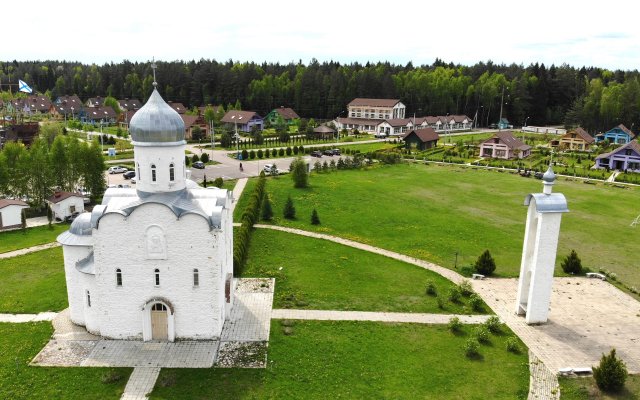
column 11, row 215
column 62, row 209
column 77, row 283
column 161, row 157
column 120, row 243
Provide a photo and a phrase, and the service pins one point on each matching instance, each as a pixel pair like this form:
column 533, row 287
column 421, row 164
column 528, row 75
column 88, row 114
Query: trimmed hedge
column 250, row 216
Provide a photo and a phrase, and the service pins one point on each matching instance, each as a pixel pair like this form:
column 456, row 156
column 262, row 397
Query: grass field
column 360, row 360
column 316, row 274
column 19, row 343
column 33, row 283
column 433, row 212
column 586, row 389
column 14, row 240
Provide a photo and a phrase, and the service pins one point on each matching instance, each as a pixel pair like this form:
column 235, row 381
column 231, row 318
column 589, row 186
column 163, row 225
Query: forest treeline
column 594, row 98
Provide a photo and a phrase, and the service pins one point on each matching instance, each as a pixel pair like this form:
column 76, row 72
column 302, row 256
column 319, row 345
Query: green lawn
column 14, row 240
column 433, row 212
column 317, row 274
column 586, row 389
column 33, row 283
column 360, row 360
column 19, row 343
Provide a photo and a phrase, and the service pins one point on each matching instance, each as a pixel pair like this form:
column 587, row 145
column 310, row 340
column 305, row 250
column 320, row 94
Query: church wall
column 120, row 243
column 77, row 282
column 161, row 157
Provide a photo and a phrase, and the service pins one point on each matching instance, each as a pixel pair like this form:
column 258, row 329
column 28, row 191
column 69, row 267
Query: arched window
column 196, row 277
column 138, row 176
column 153, row 172
column 157, row 276
column 118, row 277
column 88, row 299
column 171, row 172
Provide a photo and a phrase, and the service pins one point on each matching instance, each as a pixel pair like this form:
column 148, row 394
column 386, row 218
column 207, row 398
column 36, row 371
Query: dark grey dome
column 156, row 123
column 81, row 225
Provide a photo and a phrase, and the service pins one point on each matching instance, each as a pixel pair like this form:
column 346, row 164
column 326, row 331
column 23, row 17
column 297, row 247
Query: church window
column 153, row 172
column 157, row 276
column 118, row 277
column 171, row 172
column 88, row 299
column 196, row 277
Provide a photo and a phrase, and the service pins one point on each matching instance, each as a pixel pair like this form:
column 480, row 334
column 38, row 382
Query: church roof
column 156, row 123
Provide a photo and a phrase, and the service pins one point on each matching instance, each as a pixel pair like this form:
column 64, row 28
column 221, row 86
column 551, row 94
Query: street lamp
column 525, row 121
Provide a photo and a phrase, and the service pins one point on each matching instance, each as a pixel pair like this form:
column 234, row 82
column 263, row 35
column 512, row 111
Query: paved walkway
column 21, row 318
column 237, row 192
column 141, row 383
column 331, row 315
column 543, row 384
column 28, row 250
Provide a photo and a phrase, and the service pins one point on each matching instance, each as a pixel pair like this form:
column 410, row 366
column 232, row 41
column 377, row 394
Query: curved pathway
column 21, row 318
column 332, row 315
column 28, row 250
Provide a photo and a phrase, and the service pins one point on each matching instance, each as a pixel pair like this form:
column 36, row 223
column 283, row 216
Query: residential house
column 618, row 135
column 25, row 132
column 94, row 102
column 578, row 139
column 421, row 139
column 461, row 122
column 129, row 104
column 125, row 118
column 243, row 120
column 503, row 123
column 202, row 109
column 376, row 108
column 63, row 204
column 504, row 145
column 190, row 122
column 32, row 104
column 72, row 100
column 286, row 113
column 11, row 213
column 67, row 107
column 179, row 107
column 394, row 127
column 324, row 132
column 446, row 123
column 363, row 125
column 624, row 158
column 100, row 115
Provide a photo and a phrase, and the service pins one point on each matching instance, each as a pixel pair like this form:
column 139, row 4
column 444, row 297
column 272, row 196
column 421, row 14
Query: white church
column 154, row 262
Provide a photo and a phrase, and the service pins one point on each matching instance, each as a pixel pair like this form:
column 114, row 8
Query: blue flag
column 23, row 87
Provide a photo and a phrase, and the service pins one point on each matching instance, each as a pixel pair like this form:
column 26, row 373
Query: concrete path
column 447, row 273
column 612, row 177
column 237, row 192
column 28, row 250
column 141, row 383
column 21, row 318
column 332, row 315
column 543, row 384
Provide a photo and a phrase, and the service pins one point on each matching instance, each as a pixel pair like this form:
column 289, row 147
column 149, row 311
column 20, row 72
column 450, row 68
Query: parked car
column 198, row 165
column 134, row 180
column 336, row 152
column 117, row 169
column 316, row 153
column 267, row 168
column 129, row 174
column 328, row 152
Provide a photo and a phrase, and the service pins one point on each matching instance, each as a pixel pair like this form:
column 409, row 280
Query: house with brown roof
column 287, row 114
column 394, row 127
column 324, row 132
column 129, row 104
column 72, row 100
column 94, row 102
column 504, row 145
column 179, row 107
column 618, row 135
column 421, row 139
column 190, row 122
column 376, row 108
column 243, row 120
column 363, row 125
column 624, row 158
column 125, row 118
column 32, row 104
column 11, row 213
column 104, row 115
column 63, row 204
column 577, row 139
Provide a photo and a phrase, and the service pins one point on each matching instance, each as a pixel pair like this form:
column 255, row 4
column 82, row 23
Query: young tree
column 187, row 160
column 572, row 264
column 204, row 158
column 485, row 264
column 315, row 220
column 93, row 171
column 266, row 213
column 611, row 373
column 289, row 210
column 299, row 173
column 195, row 158
column 196, row 133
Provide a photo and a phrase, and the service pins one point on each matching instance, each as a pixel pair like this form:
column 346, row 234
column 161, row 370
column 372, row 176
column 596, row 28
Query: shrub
column 299, row 173
column 611, row 373
column 195, row 158
column 289, row 210
column 475, row 302
column 454, row 325
column 288, row 151
column 187, row 161
column 485, row 264
column 465, row 288
column 572, row 264
column 274, row 152
column 481, row 333
column 440, row 303
column 431, row 289
column 204, row 158
column 218, row 182
column 454, row 295
column 260, row 154
column 266, row 213
column 281, row 152
column 472, row 348
column 513, row 346
column 315, row 220
column 252, row 154
column 494, row 325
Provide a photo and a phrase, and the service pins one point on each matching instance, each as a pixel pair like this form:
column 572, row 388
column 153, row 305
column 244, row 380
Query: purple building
column 624, row 158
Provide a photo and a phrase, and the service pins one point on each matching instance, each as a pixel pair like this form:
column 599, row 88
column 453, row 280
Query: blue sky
column 465, row 31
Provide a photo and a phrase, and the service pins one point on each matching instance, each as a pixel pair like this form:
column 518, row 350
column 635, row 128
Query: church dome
column 81, row 225
column 156, row 123
column 549, row 176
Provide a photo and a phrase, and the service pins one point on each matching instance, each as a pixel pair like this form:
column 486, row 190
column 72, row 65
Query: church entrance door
column 159, row 322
